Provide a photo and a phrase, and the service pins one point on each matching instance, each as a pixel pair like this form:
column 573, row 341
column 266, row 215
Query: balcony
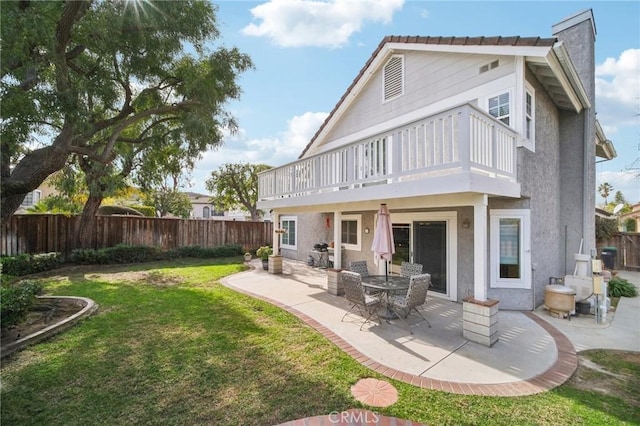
column 462, row 149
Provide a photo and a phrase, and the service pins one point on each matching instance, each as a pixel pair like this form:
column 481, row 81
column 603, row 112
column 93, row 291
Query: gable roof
column 547, row 58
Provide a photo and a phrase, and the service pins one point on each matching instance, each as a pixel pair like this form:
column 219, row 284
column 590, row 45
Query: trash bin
column 608, row 256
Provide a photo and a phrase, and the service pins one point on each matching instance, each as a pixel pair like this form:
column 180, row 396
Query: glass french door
column 430, row 249
column 423, row 242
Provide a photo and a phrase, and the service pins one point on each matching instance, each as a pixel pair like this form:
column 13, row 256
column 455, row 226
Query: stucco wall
column 578, row 144
column 311, row 229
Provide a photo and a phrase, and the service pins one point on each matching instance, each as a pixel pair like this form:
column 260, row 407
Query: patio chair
column 416, row 296
column 367, row 304
column 359, row 266
column 408, row 269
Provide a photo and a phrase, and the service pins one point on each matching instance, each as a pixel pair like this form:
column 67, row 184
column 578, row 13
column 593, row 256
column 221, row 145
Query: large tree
column 236, row 186
column 85, row 77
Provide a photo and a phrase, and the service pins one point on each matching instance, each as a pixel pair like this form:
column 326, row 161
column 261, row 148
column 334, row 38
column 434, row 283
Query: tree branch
column 143, row 114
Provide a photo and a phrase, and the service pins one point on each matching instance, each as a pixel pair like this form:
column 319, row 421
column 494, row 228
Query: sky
column 306, row 54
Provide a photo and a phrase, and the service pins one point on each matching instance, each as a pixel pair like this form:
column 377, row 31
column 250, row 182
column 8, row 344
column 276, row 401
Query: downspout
column 586, row 209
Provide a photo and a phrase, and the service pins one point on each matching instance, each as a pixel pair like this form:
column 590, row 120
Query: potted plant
column 263, row 253
column 247, row 257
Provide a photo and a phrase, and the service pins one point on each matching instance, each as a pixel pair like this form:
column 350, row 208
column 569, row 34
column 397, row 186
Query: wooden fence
column 35, row 233
column 627, row 246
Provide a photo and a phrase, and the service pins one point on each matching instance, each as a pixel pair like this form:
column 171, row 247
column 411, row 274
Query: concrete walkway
column 619, row 330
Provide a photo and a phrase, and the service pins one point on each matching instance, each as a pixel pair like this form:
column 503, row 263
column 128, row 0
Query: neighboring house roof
column 547, row 58
column 633, row 214
column 203, row 198
column 603, row 213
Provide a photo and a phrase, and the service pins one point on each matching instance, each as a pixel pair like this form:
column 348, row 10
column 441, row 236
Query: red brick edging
column 560, row 371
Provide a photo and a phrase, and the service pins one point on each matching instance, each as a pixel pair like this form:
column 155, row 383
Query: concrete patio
column 535, row 351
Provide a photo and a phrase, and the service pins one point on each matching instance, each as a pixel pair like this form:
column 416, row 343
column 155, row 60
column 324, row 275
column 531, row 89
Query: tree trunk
column 27, row 175
column 85, row 233
column 255, row 214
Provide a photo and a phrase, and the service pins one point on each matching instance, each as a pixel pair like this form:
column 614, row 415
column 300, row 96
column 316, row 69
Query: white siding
column 429, row 77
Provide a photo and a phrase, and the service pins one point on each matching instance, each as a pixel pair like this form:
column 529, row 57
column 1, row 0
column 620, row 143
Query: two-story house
column 483, row 149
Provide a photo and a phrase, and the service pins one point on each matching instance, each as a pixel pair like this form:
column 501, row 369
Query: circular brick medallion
column 374, row 392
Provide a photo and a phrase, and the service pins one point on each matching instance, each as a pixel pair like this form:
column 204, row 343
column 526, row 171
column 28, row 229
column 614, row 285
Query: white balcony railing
column 459, row 140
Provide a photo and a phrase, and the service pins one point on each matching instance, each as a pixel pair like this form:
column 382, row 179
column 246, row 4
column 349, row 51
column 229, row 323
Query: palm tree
column 605, row 189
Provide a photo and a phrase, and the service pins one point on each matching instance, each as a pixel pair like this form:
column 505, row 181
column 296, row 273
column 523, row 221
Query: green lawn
column 170, row 345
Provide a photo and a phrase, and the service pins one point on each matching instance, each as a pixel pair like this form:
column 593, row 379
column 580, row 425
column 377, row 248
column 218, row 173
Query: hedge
column 26, row 264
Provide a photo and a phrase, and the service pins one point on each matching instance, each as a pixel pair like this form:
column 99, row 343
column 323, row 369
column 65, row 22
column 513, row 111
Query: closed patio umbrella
column 383, row 246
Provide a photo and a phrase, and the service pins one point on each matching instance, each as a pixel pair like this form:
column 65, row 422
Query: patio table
column 386, row 284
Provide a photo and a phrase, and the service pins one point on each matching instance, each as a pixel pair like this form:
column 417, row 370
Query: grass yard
column 170, row 345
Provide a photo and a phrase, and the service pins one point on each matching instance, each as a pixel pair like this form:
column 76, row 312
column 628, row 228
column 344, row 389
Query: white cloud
column 618, row 90
column 296, row 23
column 274, row 151
column 627, row 182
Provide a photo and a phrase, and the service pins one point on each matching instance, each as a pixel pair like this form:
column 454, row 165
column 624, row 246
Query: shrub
column 28, row 264
column 148, row 211
column 115, row 255
column 227, row 250
column 111, row 210
column 84, row 257
column 16, row 300
column 264, row 252
column 129, row 254
column 25, row 264
column 619, row 287
column 605, row 228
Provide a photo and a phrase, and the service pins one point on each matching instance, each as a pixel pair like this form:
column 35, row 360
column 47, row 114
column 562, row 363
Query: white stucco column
column 276, row 237
column 337, row 240
column 480, row 250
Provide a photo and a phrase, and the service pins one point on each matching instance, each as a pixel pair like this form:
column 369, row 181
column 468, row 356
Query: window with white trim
column 351, row 232
column 288, row 239
column 206, row 212
column 529, row 131
column 499, row 107
column 31, row 198
column 393, row 78
column 510, row 248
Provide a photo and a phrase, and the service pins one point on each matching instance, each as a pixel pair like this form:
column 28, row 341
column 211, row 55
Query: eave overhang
column 604, row 147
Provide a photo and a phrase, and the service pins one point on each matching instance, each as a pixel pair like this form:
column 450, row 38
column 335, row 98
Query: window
column 288, row 239
column 393, row 77
column 351, row 232
column 529, row 131
column 510, row 252
column 206, row 212
column 499, row 107
column 31, row 198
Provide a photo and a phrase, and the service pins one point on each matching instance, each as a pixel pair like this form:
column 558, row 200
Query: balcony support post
column 337, row 240
column 480, row 249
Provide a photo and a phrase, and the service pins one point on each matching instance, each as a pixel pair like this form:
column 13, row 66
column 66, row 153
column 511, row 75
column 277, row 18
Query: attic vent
column 490, row 66
column 394, row 77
